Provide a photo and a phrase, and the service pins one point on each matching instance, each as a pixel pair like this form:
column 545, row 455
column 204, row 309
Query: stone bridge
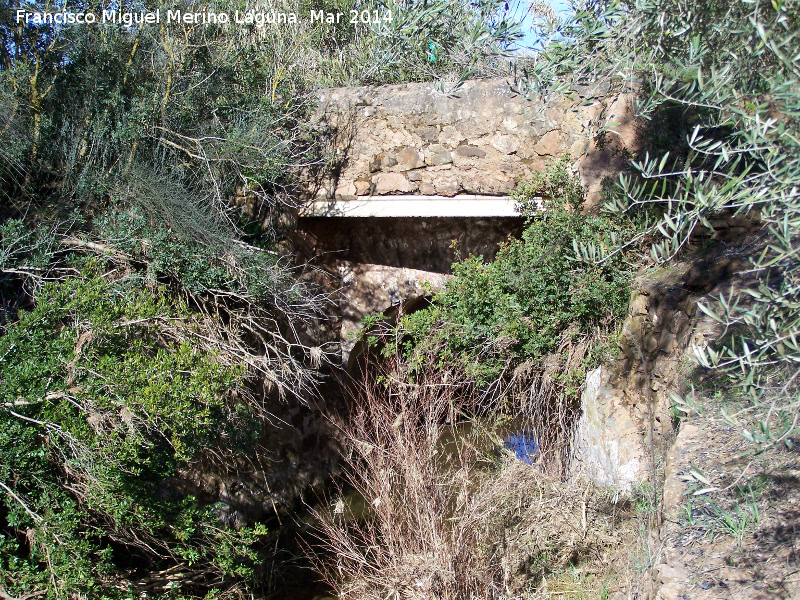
column 419, row 174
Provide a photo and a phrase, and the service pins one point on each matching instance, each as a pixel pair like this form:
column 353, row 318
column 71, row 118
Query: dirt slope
column 740, row 539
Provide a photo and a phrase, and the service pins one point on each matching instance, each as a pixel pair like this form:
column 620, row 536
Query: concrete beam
column 464, row 205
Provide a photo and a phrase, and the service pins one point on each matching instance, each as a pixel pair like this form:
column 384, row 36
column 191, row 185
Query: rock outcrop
column 626, row 406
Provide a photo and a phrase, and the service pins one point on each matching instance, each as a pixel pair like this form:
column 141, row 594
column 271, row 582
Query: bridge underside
column 375, row 263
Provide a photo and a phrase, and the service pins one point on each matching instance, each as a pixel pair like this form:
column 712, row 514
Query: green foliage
column 99, row 412
column 728, row 74
column 18, row 246
column 518, row 306
column 429, row 40
column 197, row 265
column 733, row 512
column 114, row 387
column 555, row 184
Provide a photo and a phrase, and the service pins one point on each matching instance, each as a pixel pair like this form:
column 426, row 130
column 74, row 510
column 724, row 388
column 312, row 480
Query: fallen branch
column 96, row 246
column 6, row 596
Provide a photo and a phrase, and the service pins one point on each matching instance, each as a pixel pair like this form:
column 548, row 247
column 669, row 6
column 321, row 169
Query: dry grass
column 451, row 521
column 539, row 393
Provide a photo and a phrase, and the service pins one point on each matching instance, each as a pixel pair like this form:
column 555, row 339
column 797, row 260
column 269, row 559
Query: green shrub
column 101, row 408
column 516, row 307
column 727, row 75
column 196, row 264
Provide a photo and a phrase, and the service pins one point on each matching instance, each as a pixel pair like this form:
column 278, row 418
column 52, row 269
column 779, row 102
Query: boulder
column 607, row 446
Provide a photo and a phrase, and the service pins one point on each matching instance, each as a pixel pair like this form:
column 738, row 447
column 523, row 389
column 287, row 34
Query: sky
column 562, row 8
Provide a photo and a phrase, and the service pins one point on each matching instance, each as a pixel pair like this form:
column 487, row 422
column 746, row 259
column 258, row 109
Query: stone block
column 672, row 574
column 380, row 162
column 511, row 124
column 493, row 182
column 470, row 151
column 507, row 144
column 390, row 183
column 450, row 136
column 625, row 345
column 667, row 342
column 363, row 187
column 639, row 305
column 438, row 155
column 579, row 147
column 346, row 190
column 690, row 307
column 679, row 324
column 408, row 159
column 446, row 186
column 590, row 112
column 549, row 144
column 607, row 443
column 427, row 134
column 651, row 343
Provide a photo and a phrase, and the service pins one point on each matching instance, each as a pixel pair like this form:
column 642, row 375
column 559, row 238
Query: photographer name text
column 246, row 18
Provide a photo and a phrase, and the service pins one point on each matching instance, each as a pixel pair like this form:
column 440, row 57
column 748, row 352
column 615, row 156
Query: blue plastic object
column 523, row 445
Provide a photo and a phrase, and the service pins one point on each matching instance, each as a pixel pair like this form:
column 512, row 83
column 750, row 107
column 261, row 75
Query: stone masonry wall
column 483, row 138
column 412, row 139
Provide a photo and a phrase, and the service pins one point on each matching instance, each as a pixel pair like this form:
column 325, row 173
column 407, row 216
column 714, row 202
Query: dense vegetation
column 149, row 328
column 715, row 87
column 726, row 76
column 496, row 315
column 99, row 415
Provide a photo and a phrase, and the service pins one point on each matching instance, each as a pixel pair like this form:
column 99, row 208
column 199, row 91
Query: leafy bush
column 101, row 410
column 126, row 370
column 732, row 92
column 440, row 39
column 557, row 185
column 516, row 307
column 200, row 266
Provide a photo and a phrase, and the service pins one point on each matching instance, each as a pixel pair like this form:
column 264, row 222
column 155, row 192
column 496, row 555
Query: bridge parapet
column 478, row 141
